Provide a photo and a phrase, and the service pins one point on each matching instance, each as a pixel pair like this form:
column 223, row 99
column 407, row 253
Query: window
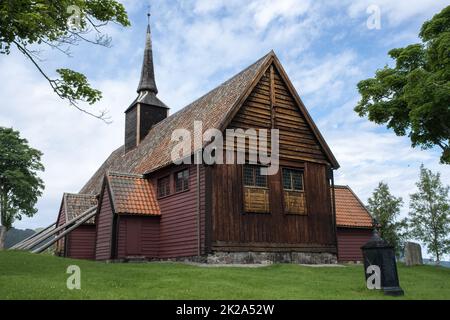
column 163, row 187
column 294, row 195
column 253, row 177
column 292, row 180
column 182, row 180
column 256, row 192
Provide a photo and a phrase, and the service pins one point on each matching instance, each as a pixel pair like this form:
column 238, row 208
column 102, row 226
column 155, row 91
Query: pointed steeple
column 146, row 110
column 147, row 82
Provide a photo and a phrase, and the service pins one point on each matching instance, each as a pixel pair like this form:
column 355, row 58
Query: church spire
column 146, row 110
column 147, row 82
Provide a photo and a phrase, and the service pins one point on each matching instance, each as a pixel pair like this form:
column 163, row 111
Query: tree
column 20, row 185
column 413, row 98
column 385, row 208
column 30, row 25
column 429, row 215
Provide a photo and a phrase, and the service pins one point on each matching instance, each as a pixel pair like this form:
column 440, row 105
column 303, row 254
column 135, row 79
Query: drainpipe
column 199, row 243
column 333, row 194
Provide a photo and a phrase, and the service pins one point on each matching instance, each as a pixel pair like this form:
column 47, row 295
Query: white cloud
column 264, row 12
column 322, row 74
column 397, row 12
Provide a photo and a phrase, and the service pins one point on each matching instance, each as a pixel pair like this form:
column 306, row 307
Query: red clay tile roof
column 350, row 211
column 132, row 194
column 76, row 204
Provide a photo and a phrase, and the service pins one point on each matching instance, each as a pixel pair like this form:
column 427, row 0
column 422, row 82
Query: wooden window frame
column 183, row 189
column 302, row 192
column 292, row 181
column 157, row 187
column 254, row 167
column 266, row 189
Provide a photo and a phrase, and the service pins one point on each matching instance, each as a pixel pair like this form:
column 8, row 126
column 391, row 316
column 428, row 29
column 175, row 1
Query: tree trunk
column 2, row 237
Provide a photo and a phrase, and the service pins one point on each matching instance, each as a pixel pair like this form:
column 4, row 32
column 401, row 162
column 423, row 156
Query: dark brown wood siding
column 148, row 236
column 233, row 229
column 318, row 201
column 149, row 116
column 271, row 105
column 297, row 140
column 104, row 223
column 178, row 224
column 81, row 243
column 350, row 241
column 131, row 129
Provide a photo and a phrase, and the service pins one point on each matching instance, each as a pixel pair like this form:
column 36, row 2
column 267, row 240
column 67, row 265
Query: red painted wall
column 81, row 243
column 178, row 226
column 147, row 237
column 104, row 223
column 174, row 234
column 350, row 241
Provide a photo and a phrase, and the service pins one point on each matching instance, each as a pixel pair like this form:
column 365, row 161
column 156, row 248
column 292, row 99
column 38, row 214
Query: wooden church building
column 147, row 207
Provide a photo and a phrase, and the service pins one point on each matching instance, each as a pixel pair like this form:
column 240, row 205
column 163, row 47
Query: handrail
column 39, row 239
column 76, row 225
column 19, row 244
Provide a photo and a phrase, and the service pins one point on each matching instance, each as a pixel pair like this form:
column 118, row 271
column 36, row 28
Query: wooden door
column 133, row 241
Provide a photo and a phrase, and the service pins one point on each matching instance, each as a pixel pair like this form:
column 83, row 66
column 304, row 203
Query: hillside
column 30, row 276
column 14, row 236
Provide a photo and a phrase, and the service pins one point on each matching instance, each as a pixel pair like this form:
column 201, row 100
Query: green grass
column 30, row 276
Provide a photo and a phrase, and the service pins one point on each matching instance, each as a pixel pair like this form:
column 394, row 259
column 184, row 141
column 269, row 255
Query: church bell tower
column 146, row 110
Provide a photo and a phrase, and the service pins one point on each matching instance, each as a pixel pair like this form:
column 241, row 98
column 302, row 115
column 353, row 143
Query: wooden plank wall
column 149, row 236
column 350, row 241
column 297, row 140
column 178, row 224
column 235, row 230
column 104, row 224
column 81, row 242
column 130, row 129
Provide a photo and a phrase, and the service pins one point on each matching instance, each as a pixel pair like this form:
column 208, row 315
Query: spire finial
column 148, row 14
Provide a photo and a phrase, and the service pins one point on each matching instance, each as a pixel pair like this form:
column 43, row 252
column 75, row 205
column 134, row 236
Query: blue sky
column 325, row 47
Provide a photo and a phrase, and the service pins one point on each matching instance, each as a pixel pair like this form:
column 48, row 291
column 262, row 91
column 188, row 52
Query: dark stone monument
column 380, row 254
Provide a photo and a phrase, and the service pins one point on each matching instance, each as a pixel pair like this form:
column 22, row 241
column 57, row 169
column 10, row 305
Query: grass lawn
column 30, row 276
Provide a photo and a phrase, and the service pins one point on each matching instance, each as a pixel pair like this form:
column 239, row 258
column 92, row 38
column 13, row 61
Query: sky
column 326, row 48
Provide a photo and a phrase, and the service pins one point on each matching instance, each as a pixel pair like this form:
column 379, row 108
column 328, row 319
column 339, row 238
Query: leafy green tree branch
column 27, row 24
column 413, row 98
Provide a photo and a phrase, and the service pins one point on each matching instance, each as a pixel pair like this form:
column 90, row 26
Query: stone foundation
column 271, row 257
column 248, row 258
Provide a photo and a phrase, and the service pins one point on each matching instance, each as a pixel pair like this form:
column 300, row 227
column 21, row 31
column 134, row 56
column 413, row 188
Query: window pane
column 186, row 179
column 287, row 179
column 163, row 187
column 248, row 176
column 179, row 181
column 182, row 180
column 261, row 181
column 167, row 186
column 297, row 180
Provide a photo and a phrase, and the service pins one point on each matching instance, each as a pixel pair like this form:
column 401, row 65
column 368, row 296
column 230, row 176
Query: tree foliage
column 385, row 208
column 20, row 185
column 413, row 98
column 429, row 215
column 29, row 25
